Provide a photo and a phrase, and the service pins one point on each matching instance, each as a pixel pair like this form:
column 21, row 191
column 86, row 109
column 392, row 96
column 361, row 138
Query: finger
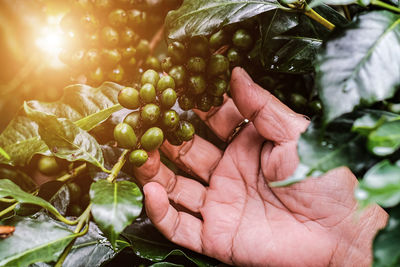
column 181, row 190
column 198, row 157
column 222, row 120
column 179, row 227
column 272, row 119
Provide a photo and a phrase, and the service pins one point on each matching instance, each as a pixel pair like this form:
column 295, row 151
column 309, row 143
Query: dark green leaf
column 84, row 105
column 65, row 139
column 90, row 250
column 316, row 3
column 115, row 206
column 321, row 151
column 166, row 264
column 353, row 67
column 204, row 17
column 386, row 244
column 381, row 184
column 18, row 177
column 34, row 240
column 372, row 120
column 9, row 189
column 148, row 243
column 386, row 139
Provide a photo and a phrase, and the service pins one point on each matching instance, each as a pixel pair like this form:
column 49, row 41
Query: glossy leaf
column 9, row 189
column 34, row 240
column 386, row 247
column 353, row 67
column 65, row 139
column 372, row 120
column 147, row 242
column 90, row 250
column 115, row 206
column 84, row 105
column 204, row 17
column 321, row 151
column 381, row 184
column 18, row 177
column 166, row 264
column 386, row 139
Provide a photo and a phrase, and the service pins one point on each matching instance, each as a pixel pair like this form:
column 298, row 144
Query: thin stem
column 318, row 18
column 118, row 166
column 7, row 200
column 385, row 5
column 347, row 12
column 83, row 220
column 7, row 210
column 74, row 173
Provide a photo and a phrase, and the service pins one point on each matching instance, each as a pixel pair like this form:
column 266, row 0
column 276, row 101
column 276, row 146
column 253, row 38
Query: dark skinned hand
column 237, row 218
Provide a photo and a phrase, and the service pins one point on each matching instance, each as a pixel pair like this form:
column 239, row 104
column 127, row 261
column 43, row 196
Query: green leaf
column 147, row 242
column 354, row 68
column 4, row 154
column 316, row 3
column 204, row 17
column 381, row 184
column 65, row 139
column 386, row 245
column 18, row 177
column 372, row 120
column 90, row 250
column 386, row 139
column 321, row 151
column 34, row 240
column 115, row 206
column 9, row 189
column 166, row 264
column 84, row 105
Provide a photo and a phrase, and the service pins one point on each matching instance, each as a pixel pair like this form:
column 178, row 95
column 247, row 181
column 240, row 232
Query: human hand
column 237, row 218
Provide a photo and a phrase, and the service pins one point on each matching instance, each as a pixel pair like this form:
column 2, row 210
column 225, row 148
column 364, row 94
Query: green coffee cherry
column 152, row 139
column 75, row 210
column 217, row 65
column 197, row 85
column 392, row 107
column 133, row 119
column 92, row 58
column 315, row 106
column 96, row 75
column 109, row 36
column 185, row 131
column 89, row 22
column 186, row 102
column 128, row 37
column 196, row 65
column 150, row 76
column 217, row 101
column 152, row 63
column 118, row 18
column 198, row 46
column 242, row 39
column 217, row 87
column 170, row 120
column 168, row 98
column 116, row 74
column 280, row 95
column 110, row 57
column 234, row 57
column 147, row 93
column 218, row 39
column 138, row 157
column 131, row 62
column 142, row 49
column 136, row 18
column 74, row 192
column 298, row 101
column 167, row 64
column 165, row 82
column 125, row 136
column 173, row 138
column 103, row 4
column 150, row 114
column 92, row 39
column 178, row 73
column 176, row 50
column 129, row 98
column 48, row 165
column 128, row 52
column 204, row 102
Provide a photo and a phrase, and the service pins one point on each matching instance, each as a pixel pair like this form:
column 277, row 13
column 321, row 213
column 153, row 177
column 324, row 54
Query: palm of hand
column 243, row 220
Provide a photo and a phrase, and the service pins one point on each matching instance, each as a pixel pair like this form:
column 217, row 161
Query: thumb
column 272, row 119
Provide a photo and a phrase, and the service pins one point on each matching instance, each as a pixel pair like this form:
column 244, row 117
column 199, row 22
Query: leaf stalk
column 318, row 18
column 385, row 5
column 118, row 166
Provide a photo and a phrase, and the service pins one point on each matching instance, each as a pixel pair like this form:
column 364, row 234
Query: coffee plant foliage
column 337, row 61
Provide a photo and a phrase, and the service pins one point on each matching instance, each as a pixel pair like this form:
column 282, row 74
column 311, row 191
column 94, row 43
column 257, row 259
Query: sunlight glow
column 50, row 41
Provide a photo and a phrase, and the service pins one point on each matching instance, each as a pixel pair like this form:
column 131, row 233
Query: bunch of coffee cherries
column 107, row 38
column 153, row 118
